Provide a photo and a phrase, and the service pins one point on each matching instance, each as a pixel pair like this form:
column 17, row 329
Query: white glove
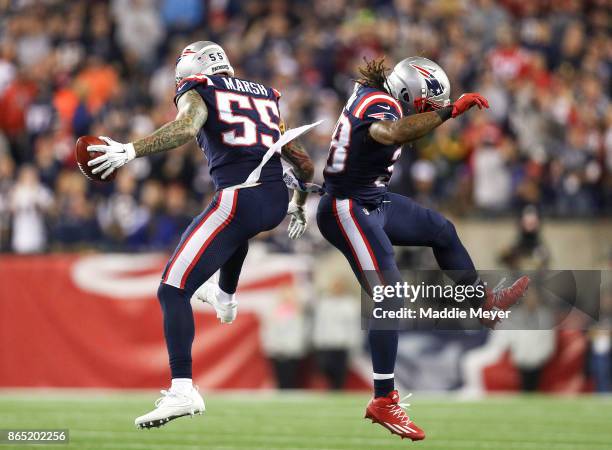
column 115, row 155
column 298, row 222
column 294, row 183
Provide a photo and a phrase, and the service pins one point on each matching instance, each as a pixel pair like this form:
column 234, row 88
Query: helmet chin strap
column 424, row 104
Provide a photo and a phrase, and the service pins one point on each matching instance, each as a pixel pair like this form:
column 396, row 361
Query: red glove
column 466, row 101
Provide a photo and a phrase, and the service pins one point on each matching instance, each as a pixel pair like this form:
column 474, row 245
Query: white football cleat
column 172, row 405
column 209, row 293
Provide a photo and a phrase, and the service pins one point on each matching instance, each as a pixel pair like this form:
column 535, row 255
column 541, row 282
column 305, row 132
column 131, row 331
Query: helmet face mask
column 204, row 57
column 419, row 84
column 424, row 104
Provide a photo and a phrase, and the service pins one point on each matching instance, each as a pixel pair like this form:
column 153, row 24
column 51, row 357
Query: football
column 83, row 157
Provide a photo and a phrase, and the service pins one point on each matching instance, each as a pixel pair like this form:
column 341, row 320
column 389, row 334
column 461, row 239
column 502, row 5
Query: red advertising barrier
column 64, row 323
column 94, row 321
column 563, row 373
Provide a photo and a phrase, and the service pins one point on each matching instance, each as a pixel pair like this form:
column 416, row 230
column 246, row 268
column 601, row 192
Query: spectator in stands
column 533, row 344
column 528, row 251
column 140, row 30
column 121, row 216
column 172, row 218
column 30, row 202
column 423, row 174
column 492, row 177
column 75, row 224
column 44, row 157
column 527, row 336
column 7, row 170
column 600, row 361
column 283, row 337
column 336, row 330
column 107, row 68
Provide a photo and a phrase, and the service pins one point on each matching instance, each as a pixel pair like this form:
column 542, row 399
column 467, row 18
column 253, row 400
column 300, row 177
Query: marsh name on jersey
column 244, row 86
column 243, row 122
column 357, row 166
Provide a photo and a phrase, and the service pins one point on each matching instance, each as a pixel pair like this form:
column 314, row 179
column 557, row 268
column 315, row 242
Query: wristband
column 445, row 113
column 130, row 151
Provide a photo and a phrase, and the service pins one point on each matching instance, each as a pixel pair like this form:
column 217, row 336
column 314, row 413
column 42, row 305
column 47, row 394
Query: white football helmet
column 202, row 57
column 419, row 84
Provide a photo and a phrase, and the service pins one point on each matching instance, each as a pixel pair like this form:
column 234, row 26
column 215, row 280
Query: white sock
column 182, row 385
column 224, row 297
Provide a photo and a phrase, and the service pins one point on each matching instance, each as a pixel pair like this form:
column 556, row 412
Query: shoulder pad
column 191, row 82
column 376, row 105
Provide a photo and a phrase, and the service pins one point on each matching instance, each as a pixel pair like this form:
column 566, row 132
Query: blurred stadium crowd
column 70, row 68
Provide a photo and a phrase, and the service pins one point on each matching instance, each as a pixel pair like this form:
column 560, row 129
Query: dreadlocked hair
column 374, row 74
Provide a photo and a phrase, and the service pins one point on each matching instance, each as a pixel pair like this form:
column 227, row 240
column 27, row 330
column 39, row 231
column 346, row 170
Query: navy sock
column 230, row 271
column 179, row 328
column 383, row 347
column 383, row 387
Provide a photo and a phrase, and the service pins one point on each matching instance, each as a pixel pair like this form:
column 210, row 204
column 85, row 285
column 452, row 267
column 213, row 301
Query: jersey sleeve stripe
column 277, row 94
column 373, row 98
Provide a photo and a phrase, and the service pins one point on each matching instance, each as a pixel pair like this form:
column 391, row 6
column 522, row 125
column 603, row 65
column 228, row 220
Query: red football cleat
column 389, row 412
column 503, row 299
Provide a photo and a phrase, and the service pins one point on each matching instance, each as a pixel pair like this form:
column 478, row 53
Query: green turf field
column 311, row 421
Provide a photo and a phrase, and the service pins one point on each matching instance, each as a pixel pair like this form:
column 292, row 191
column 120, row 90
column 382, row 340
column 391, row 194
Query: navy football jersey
column 243, row 122
column 358, row 167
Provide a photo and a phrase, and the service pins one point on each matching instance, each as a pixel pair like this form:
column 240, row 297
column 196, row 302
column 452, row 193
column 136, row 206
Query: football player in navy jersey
column 235, row 122
column 364, row 221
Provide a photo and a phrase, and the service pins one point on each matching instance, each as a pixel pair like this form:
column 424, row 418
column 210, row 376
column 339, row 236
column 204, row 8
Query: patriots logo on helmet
column 433, row 85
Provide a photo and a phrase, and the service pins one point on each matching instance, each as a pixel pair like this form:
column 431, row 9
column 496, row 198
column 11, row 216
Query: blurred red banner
column 94, row 321
column 63, row 323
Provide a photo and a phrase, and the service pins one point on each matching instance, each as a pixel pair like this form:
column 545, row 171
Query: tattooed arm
column 408, row 129
column 413, row 127
column 192, row 115
column 190, row 118
column 303, row 168
column 302, row 165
